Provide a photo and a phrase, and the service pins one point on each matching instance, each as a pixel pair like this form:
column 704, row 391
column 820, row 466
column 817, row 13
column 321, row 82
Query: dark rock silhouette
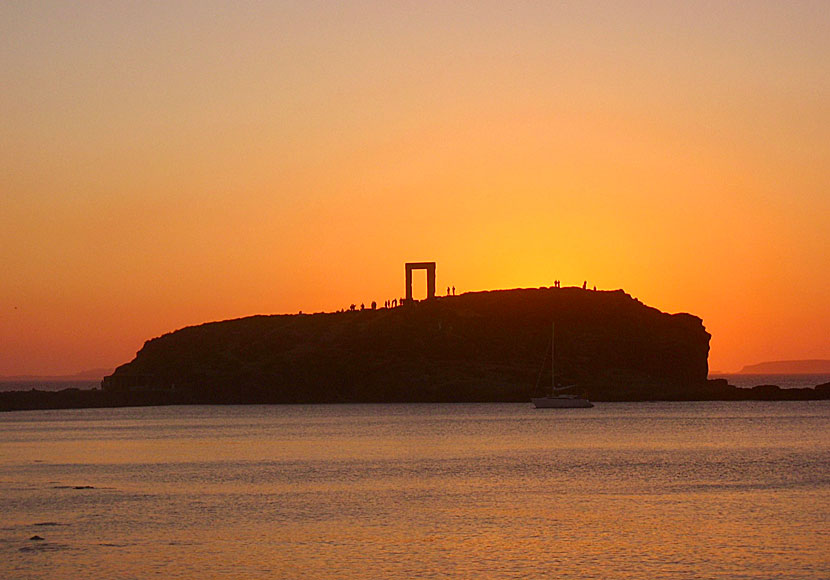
column 482, row 346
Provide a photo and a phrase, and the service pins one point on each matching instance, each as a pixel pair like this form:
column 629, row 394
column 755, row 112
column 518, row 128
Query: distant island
column 88, row 375
column 788, row 367
column 476, row 347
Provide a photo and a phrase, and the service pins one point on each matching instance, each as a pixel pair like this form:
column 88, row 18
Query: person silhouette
column 453, row 290
column 448, row 290
column 585, row 285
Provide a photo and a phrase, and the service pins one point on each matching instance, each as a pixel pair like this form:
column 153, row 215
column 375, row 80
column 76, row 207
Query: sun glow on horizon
column 167, row 165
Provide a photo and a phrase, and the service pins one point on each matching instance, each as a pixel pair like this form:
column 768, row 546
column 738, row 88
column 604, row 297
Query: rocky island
column 477, row 347
column 792, row 367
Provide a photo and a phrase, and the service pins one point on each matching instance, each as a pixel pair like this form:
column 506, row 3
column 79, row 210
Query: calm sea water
column 783, row 381
column 736, row 490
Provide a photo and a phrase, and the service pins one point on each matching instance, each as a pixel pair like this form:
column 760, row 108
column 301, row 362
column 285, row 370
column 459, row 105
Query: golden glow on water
column 498, row 491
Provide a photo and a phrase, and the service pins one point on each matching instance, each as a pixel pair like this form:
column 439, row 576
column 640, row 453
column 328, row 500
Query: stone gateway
column 430, row 268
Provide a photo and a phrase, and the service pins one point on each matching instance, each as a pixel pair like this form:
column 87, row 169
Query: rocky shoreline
column 72, row 398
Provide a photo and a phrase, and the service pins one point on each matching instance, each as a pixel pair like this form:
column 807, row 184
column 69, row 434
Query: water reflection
column 714, row 490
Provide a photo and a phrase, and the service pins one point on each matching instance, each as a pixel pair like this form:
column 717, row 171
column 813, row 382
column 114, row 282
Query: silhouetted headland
column 476, row 347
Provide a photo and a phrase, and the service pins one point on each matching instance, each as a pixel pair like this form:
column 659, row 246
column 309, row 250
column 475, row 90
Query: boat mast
column 552, row 359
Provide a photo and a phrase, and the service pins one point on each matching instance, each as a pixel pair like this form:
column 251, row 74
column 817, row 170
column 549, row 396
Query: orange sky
column 166, row 164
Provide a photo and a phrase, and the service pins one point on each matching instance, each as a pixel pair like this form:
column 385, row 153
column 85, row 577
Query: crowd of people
column 558, row 284
column 395, row 302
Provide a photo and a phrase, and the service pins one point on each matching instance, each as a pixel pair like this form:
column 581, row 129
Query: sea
column 790, row 381
column 714, row 490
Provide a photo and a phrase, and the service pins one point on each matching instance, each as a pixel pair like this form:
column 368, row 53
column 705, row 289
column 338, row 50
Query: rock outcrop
column 481, row 346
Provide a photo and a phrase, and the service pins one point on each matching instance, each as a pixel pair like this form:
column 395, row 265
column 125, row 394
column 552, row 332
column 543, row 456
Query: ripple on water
column 682, row 491
column 43, row 546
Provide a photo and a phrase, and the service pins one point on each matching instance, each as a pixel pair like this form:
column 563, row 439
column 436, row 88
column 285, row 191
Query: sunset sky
column 164, row 164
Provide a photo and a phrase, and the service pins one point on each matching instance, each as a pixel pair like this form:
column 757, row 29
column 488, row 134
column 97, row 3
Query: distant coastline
column 46, row 385
column 83, row 376
column 77, row 398
column 788, row 367
column 88, row 379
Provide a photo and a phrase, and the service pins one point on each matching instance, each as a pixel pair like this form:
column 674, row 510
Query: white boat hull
column 561, row 402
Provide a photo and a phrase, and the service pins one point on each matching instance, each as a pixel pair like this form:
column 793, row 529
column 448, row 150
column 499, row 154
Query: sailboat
column 558, row 399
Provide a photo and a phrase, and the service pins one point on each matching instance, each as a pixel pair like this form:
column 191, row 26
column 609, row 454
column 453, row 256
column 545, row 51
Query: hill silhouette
column 476, row 347
column 481, row 346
